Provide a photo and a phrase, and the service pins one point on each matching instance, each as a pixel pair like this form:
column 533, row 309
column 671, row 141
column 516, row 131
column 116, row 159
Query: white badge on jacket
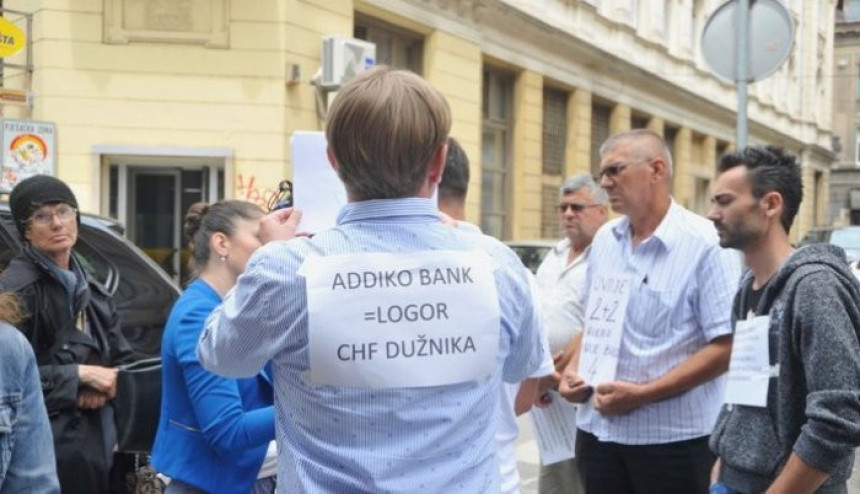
column 749, row 367
column 604, row 326
column 390, row 320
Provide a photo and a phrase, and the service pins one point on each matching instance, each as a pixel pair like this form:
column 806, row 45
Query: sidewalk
column 528, row 462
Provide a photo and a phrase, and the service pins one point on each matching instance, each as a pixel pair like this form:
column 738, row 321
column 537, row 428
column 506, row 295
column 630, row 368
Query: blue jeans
column 27, row 462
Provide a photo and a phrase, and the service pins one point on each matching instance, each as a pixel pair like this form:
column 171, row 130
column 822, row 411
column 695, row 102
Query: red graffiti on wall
column 247, row 189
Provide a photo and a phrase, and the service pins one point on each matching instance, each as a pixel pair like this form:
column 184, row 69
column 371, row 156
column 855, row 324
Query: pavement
column 528, row 462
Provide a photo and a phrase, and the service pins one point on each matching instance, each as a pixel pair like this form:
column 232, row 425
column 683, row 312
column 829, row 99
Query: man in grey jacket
column 791, row 420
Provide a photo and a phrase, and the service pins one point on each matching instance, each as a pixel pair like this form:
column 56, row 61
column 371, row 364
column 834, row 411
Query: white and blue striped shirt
column 363, row 440
column 681, row 300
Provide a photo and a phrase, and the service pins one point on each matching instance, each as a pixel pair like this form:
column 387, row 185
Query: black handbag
column 137, row 405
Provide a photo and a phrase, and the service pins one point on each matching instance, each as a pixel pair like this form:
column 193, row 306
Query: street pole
column 741, row 69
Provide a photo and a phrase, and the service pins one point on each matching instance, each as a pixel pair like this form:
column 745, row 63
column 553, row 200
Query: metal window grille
column 495, row 153
column 554, row 130
column 549, row 217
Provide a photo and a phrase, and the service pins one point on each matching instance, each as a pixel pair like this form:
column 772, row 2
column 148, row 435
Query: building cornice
column 564, row 50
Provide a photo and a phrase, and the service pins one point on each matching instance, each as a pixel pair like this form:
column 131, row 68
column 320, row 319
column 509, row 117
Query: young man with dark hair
column 791, row 420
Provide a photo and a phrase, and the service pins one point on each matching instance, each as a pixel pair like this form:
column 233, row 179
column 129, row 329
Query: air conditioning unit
column 343, row 57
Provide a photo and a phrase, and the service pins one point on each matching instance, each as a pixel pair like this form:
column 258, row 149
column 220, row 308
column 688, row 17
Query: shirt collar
column 563, row 249
column 666, row 232
column 406, row 210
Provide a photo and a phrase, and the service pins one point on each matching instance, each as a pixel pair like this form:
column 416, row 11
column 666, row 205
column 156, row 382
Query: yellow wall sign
column 11, row 38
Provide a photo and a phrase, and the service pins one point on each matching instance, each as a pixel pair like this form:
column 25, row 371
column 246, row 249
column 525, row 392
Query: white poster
column 402, row 320
column 317, row 190
column 29, row 148
column 555, row 429
column 749, row 367
column 604, row 326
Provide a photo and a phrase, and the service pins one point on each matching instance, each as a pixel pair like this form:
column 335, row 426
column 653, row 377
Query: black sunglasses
column 610, row 171
column 576, row 208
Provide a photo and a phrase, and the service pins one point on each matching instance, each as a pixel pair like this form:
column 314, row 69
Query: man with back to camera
column 646, row 430
column 795, row 431
column 390, row 333
column 561, row 280
column 515, row 399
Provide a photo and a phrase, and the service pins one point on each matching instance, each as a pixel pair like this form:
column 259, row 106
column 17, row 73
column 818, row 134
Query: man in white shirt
column 645, row 429
column 515, row 399
column 582, row 209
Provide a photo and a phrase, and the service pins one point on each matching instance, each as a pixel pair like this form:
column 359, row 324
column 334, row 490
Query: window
column 670, row 134
column 817, row 196
column 701, row 202
column 495, row 155
column 719, row 150
column 668, row 11
column 638, row 122
column 395, row 46
column 554, row 130
column 857, row 146
column 852, row 10
column 857, row 82
column 549, row 227
column 600, row 115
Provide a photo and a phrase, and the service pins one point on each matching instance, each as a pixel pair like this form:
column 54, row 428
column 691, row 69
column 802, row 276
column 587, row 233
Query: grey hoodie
column 813, row 405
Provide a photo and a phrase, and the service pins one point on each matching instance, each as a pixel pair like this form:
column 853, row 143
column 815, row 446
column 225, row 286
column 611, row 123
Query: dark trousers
column 674, row 468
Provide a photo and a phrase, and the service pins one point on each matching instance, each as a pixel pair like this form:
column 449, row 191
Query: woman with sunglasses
column 215, row 435
column 74, row 329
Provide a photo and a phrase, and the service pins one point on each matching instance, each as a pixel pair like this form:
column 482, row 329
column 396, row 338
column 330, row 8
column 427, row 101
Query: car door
column 143, row 294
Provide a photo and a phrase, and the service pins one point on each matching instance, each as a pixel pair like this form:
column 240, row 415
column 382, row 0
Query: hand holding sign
column 280, row 224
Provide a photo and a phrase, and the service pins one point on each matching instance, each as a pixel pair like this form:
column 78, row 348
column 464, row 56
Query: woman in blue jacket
column 215, row 435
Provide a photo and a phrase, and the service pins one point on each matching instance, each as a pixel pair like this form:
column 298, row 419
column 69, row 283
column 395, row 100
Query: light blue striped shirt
column 339, row 439
column 681, row 299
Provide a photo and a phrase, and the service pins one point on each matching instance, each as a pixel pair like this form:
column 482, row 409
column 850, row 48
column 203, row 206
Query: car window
column 143, row 296
column 846, row 238
column 530, row 255
column 93, row 262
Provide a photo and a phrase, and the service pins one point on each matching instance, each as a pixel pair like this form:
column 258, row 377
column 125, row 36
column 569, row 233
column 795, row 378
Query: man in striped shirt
column 389, row 334
column 646, row 430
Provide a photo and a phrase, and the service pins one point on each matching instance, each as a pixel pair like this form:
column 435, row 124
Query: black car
column 143, row 293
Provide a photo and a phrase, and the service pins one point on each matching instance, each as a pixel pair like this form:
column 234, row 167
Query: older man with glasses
column 561, row 279
column 74, row 330
column 644, row 424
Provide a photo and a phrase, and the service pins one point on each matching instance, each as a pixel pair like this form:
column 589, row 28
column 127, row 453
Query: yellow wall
column 527, row 152
column 150, row 95
column 147, row 94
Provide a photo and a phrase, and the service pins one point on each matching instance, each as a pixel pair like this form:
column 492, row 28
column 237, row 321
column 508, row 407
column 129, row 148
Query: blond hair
column 10, row 308
column 383, row 129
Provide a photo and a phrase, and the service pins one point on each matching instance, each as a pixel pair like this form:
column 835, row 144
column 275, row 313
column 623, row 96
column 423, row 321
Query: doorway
column 151, row 201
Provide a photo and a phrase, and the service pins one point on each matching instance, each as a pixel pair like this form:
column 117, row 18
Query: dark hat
column 34, row 192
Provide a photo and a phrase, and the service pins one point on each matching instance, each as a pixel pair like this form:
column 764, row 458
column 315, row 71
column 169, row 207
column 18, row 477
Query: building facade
column 159, row 103
column 845, row 175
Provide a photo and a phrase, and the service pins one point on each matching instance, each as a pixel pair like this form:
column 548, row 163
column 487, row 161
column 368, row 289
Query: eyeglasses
column 610, row 171
column 46, row 217
column 576, row 208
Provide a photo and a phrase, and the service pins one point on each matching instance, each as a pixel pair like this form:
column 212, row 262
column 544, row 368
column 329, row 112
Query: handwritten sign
column 555, row 430
column 386, row 320
column 604, row 325
column 749, row 367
